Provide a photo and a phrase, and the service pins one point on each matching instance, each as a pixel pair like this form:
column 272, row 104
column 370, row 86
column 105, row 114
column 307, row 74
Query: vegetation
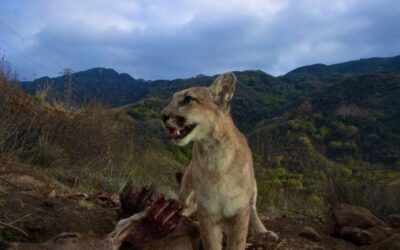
column 90, row 147
column 346, row 138
column 320, row 134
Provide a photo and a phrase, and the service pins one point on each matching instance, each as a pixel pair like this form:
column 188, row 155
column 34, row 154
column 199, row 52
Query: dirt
column 35, row 203
column 288, row 228
column 36, row 208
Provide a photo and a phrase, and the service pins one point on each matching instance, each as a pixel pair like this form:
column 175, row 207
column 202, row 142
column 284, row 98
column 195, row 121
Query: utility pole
column 67, row 73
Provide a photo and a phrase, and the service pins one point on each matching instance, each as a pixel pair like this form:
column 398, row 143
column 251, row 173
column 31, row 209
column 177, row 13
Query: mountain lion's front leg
column 186, row 194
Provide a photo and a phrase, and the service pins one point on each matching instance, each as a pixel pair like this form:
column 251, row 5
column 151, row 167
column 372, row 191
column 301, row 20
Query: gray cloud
column 177, row 39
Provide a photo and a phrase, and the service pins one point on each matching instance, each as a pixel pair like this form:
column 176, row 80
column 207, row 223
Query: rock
column 391, row 243
column 357, row 235
column 25, row 182
column 394, row 220
column 343, row 245
column 380, row 233
column 310, row 233
column 366, row 236
column 344, row 215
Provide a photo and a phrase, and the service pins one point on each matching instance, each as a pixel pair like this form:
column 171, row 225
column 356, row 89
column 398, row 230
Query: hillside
column 344, row 142
column 318, row 75
column 354, row 120
column 88, row 148
column 368, row 106
column 331, row 143
column 321, row 142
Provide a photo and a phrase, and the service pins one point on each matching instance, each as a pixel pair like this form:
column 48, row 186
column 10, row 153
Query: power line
column 22, row 54
column 25, row 39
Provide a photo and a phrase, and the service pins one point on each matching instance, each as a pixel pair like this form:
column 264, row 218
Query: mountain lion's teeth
column 178, row 133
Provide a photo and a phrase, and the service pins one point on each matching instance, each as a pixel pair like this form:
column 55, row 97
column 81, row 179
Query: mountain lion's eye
column 185, row 100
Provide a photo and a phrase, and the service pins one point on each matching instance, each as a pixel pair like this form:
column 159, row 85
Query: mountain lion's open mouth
column 180, row 133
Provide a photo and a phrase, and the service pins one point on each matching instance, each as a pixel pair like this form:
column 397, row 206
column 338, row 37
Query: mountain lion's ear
column 222, row 90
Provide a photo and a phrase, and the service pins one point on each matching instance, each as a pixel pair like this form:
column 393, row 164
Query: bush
column 273, row 184
column 369, row 189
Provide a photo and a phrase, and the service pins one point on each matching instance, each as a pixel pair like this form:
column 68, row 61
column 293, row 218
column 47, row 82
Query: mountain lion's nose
column 164, row 118
column 180, row 121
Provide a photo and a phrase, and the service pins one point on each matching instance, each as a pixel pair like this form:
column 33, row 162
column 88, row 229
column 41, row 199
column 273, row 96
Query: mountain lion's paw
column 268, row 236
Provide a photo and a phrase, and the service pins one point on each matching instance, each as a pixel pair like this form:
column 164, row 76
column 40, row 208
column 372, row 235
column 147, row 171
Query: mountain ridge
column 315, row 76
column 116, row 89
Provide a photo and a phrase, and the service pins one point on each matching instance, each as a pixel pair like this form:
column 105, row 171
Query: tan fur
column 220, row 178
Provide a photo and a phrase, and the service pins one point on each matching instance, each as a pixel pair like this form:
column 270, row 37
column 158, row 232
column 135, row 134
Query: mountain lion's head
column 193, row 113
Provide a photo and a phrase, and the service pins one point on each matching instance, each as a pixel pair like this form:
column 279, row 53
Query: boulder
column 310, row 233
column 394, row 220
column 357, row 235
column 391, row 243
column 344, row 215
column 380, row 233
column 366, row 236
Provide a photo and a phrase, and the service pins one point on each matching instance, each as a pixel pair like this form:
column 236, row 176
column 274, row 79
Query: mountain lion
column 220, row 178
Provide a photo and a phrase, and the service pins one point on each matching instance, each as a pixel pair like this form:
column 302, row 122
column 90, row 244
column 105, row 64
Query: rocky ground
column 41, row 207
column 34, row 207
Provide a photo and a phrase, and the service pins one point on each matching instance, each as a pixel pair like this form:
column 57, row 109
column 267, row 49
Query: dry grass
column 89, row 148
column 48, row 136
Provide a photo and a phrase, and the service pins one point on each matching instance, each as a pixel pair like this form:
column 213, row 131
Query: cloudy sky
column 166, row 39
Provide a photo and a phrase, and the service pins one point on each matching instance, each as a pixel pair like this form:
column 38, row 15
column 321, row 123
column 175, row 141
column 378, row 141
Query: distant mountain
column 369, row 65
column 316, row 75
column 108, row 86
column 104, row 85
